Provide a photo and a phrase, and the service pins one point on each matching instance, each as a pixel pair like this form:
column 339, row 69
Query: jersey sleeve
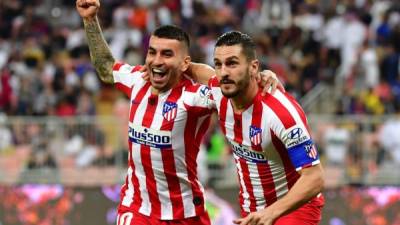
column 289, row 124
column 126, row 76
column 198, row 98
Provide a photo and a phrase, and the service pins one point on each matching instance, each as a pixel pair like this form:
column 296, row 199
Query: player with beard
column 168, row 118
column 278, row 166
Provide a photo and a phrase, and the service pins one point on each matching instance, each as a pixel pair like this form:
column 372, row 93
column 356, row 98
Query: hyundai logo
column 295, row 133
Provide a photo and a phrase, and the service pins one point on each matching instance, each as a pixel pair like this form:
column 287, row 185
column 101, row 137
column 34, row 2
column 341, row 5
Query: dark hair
column 238, row 38
column 172, row 32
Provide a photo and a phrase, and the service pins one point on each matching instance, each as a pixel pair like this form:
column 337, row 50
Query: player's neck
column 176, row 82
column 244, row 99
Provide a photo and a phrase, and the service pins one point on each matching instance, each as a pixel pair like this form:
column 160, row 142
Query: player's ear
column 254, row 67
column 185, row 63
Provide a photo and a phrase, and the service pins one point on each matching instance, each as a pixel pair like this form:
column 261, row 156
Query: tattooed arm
column 100, row 53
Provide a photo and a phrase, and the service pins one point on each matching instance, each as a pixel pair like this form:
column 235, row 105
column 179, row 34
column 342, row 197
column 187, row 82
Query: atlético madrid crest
column 170, row 110
column 311, row 151
column 255, row 135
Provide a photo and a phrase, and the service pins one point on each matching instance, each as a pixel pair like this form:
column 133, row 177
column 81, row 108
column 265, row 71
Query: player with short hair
column 278, row 166
column 279, row 171
column 167, row 120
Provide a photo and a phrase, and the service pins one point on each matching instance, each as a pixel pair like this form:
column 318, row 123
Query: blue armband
column 304, row 154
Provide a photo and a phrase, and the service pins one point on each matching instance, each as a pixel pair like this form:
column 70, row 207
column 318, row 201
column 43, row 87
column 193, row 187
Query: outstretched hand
column 269, row 82
column 87, row 8
column 263, row 217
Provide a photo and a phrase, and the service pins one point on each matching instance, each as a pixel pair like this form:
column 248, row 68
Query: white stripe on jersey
column 121, row 77
column 245, row 195
column 161, row 183
column 189, row 208
column 275, row 161
column 128, row 198
column 229, row 124
column 145, row 208
column 179, row 157
column 252, row 167
column 292, row 110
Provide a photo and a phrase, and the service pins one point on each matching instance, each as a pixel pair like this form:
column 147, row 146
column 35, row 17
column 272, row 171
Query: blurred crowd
column 46, row 70
column 352, row 46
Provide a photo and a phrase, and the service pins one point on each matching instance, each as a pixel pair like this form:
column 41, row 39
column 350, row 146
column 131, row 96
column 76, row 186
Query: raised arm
column 100, row 53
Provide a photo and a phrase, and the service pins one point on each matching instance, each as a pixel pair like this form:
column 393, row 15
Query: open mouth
column 158, row 74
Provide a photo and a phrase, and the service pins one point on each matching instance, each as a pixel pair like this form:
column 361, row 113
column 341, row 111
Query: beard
column 230, row 94
column 238, row 88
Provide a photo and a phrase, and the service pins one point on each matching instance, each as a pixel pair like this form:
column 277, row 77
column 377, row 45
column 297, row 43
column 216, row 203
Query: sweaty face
column 166, row 60
column 232, row 69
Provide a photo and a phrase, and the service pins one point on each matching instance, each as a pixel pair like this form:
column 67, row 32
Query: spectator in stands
column 5, row 134
column 40, row 157
column 390, row 137
column 336, row 145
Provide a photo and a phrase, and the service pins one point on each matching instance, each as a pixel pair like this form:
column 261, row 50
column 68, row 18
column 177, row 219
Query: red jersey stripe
column 280, row 110
column 247, row 183
column 222, row 114
column 263, row 169
column 256, row 120
column 117, row 66
column 137, row 199
column 136, row 68
column 146, row 160
column 192, row 88
column 126, row 90
column 290, row 171
column 202, row 130
column 135, row 102
column 299, row 111
column 237, row 128
column 190, row 158
column 200, row 111
column 169, row 168
column 213, row 82
column 267, row 183
column 238, row 137
column 241, row 190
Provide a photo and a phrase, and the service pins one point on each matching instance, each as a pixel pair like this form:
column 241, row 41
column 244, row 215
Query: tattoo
column 100, row 53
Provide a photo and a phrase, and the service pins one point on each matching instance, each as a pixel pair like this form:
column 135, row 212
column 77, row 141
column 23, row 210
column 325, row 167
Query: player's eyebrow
column 232, row 58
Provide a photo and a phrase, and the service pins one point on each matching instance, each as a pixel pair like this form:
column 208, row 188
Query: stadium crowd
column 45, row 66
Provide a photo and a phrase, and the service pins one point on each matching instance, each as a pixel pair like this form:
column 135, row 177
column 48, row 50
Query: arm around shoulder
column 201, row 72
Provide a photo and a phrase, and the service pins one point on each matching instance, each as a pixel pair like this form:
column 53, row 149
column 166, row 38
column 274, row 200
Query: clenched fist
column 87, row 8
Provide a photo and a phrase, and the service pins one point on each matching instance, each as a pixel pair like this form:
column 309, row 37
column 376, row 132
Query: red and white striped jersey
column 165, row 132
column 270, row 142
